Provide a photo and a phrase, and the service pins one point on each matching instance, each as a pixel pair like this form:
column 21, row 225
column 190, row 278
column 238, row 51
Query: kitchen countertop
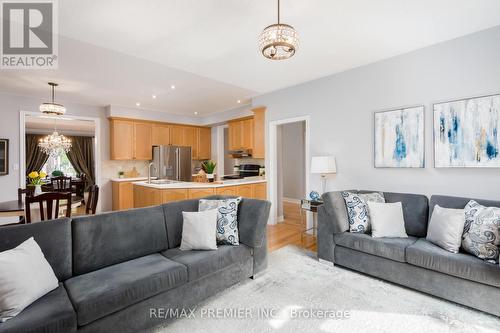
column 224, row 183
column 118, row 180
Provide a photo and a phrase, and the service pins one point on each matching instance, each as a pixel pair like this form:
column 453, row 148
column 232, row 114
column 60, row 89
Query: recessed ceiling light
column 137, row 104
column 172, row 87
column 196, row 112
column 238, row 101
column 154, row 96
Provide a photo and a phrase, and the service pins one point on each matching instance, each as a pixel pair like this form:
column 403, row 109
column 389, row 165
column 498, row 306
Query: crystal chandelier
column 278, row 41
column 54, row 144
column 52, row 107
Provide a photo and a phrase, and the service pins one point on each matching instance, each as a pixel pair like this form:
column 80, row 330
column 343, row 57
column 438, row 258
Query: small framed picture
column 4, row 157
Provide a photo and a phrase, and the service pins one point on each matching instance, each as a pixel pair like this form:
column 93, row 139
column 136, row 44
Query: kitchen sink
column 164, row 181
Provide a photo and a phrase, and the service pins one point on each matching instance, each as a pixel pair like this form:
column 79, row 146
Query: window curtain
column 81, row 156
column 35, row 158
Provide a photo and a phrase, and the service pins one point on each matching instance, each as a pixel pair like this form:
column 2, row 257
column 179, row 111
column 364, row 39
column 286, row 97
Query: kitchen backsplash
column 249, row 160
column 111, row 168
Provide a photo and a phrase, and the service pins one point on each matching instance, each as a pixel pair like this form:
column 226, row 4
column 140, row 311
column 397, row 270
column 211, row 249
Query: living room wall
column 342, row 105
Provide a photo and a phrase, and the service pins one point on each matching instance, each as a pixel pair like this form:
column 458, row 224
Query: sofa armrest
column 252, row 221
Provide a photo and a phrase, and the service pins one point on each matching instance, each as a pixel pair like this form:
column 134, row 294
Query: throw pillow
column 482, row 231
column 357, row 209
column 446, row 228
column 387, row 219
column 227, row 219
column 198, row 230
column 25, row 276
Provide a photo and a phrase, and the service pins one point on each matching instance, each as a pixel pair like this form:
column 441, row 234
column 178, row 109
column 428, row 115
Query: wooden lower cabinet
column 259, row 191
column 245, row 191
column 195, row 193
column 146, row 196
column 123, row 195
column 227, row 190
column 173, row 195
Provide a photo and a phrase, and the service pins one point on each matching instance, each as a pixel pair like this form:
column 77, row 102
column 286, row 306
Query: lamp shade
column 323, row 164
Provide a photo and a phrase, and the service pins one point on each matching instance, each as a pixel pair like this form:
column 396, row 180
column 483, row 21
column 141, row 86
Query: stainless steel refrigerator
column 172, row 162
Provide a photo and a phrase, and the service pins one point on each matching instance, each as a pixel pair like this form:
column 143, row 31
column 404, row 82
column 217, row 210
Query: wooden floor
column 290, row 231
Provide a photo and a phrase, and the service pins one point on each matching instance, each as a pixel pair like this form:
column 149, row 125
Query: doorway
column 289, row 183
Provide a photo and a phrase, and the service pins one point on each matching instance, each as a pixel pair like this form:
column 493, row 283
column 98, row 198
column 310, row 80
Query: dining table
column 16, row 208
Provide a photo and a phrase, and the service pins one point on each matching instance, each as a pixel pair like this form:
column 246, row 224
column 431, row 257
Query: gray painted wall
column 293, row 167
column 342, row 105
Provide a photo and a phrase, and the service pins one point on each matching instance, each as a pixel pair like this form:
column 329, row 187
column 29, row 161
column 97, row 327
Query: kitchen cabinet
column 146, row 196
column 133, row 139
column 247, row 134
column 204, row 143
column 142, row 141
column 234, row 132
column 259, row 133
column 227, row 190
column 173, row 195
column 161, row 135
column 195, row 193
column 241, row 134
column 122, row 139
column 259, row 191
column 245, row 191
column 123, row 195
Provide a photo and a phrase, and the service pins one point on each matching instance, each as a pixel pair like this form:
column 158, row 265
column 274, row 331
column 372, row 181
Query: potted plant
column 57, row 173
column 209, row 168
column 36, row 180
column 121, row 174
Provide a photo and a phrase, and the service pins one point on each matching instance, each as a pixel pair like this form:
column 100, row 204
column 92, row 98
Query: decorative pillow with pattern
column 227, row 219
column 481, row 235
column 357, row 209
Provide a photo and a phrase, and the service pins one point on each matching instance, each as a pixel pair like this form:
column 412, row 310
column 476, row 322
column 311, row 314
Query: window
column 59, row 162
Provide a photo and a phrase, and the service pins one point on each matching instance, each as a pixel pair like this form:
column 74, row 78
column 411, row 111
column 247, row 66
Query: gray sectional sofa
column 412, row 262
column 114, row 267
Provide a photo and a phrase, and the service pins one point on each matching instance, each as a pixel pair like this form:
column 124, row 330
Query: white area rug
column 296, row 280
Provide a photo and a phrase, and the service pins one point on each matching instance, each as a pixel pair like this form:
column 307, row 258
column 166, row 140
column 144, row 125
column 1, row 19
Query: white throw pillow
column 199, row 230
column 25, row 276
column 446, row 228
column 387, row 219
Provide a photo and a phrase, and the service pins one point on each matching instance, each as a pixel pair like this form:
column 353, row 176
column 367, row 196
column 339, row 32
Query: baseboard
column 280, row 218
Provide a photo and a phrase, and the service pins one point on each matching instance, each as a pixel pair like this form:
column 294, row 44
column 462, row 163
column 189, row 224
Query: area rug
column 297, row 293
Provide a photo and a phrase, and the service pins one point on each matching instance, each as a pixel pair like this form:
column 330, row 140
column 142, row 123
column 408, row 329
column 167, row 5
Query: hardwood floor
column 290, row 231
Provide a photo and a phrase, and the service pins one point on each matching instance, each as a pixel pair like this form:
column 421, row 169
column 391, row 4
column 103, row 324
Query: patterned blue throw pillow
column 481, row 235
column 227, row 219
column 357, row 209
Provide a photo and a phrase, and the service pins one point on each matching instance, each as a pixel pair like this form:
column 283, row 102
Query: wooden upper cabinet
column 259, row 133
column 234, row 132
column 204, row 140
column 122, row 139
column 247, row 134
column 241, row 134
column 190, row 139
column 177, row 135
column 143, row 143
column 161, row 135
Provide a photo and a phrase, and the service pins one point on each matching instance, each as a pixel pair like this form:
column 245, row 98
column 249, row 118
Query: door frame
column 273, row 161
column 22, row 147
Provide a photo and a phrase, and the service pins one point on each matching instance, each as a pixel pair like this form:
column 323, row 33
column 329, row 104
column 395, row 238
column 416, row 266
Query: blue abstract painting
column 399, row 138
column 466, row 133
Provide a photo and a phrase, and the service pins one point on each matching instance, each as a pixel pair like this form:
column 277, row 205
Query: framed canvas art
column 466, row 133
column 4, row 157
column 399, row 138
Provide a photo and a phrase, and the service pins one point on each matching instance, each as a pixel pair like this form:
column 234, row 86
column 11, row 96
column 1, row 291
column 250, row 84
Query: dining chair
column 61, row 184
column 28, row 191
column 48, row 212
column 92, row 199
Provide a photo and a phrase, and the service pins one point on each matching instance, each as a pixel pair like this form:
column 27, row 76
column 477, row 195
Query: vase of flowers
column 209, row 168
column 36, row 180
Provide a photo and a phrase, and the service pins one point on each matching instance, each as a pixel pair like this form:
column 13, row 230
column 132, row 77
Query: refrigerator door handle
column 178, row 161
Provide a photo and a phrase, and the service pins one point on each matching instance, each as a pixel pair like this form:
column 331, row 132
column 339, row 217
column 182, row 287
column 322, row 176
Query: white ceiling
column 122, row 52
column 64, row 125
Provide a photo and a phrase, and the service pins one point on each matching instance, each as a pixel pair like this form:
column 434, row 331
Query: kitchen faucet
column 149, row 171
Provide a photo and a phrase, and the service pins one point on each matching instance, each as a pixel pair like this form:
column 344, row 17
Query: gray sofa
column 412, row 262
column 114, row 267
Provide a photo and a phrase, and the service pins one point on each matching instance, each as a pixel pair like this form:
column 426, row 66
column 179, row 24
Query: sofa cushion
column 53, row 237
column 173, row 219
column 427, row 255
column 107, row 239
column 390, row 248
column 51, row 313
column 202, row 263
column 100, row 293
column 415, row 211
column 458, row 202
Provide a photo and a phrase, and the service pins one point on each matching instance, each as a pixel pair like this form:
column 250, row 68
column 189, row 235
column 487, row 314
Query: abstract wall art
column 399, row 138
column 466, row 133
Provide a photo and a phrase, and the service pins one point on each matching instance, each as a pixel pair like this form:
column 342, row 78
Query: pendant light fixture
column 55, row 143
column 278, row 41
column 53, row 107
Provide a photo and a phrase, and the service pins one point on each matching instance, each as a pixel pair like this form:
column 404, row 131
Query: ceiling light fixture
column 238, row 101
column 172, row 87
column 278, row 41
column 54, row 143
column 196, row 112
column 137, row 104
column 53, row 107
column 154, row 96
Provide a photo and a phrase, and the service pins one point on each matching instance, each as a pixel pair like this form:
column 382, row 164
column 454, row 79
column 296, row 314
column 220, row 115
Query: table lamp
column 323, row 165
